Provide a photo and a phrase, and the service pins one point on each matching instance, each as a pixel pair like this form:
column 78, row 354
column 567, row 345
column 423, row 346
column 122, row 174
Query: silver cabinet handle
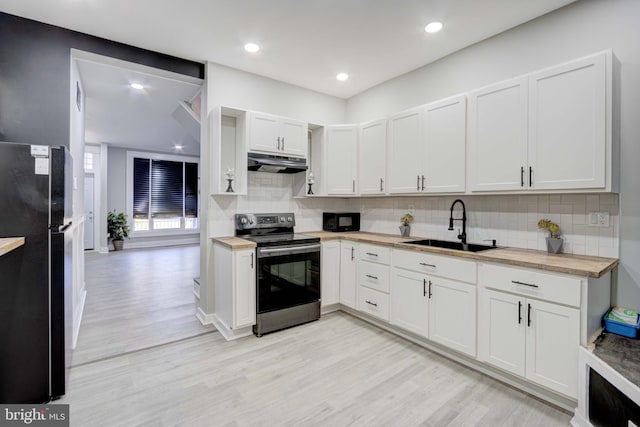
column 371, row 277
column 371, row 303
column 428, row 265
column 381, row 182
column 429, row 289
column 517, row 282
column 278, row 143
column 530, row 176
column 417, row 182
column 521, row 176
column 422, row 182
column 283, row 143
column 424, row 287
column 371, row 254
column 352, row 251
column 353, row 185
column 251, row 260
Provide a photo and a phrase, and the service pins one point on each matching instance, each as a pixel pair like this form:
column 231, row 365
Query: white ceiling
column 303, row 42
column 118, row 115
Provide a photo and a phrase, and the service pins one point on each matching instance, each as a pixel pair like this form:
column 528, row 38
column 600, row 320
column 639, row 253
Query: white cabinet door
column 372, row 157
column 444, row 126
column 501, row 331
column 330, row 273
column 348, row 271
column 452, row 314
column 552, row 340
column 244, row 288
column 406, row 151
column 341, row 159
column 293, row 137
column 264, row 132
column 497, row 137
column 409, row 301
column 567, row 128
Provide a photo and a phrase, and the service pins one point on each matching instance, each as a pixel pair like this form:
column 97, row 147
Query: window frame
column 129, row 192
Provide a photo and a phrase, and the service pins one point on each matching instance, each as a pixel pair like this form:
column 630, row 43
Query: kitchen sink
column 469, row 247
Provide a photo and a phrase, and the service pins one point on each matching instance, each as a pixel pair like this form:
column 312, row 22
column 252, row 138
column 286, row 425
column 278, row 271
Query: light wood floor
column 138, row 298
column 337, row 371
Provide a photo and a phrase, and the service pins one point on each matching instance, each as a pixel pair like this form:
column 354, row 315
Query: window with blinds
column 165, row 194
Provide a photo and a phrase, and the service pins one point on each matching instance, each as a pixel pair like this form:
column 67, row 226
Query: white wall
column 76, row 148
column 579, row 29
column 234, row 88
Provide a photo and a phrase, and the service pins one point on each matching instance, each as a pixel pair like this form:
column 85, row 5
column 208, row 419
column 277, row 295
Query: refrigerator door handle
column 60, row 228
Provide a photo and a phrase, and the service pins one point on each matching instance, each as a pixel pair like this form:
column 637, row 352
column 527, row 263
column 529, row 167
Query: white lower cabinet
column 348, row 272
column 409, row 301
column 536, row 339
column 330, row 273
column 436, row 308
column 373, row 302
column 452, row 314
column 235, row 287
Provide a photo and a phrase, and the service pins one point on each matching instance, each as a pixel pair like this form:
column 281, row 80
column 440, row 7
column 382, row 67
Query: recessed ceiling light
column 342, row 76
column 251, row 47
column 137, row 86
column 433, row 27
column 178, row 147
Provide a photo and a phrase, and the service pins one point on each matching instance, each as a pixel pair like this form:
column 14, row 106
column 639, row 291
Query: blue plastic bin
column 619, row 328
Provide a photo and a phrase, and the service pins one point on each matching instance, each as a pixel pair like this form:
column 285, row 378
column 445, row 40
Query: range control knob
column 282, row 219
column 290, row 219
column 243, row 221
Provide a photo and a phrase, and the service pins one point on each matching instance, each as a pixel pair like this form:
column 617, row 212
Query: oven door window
column 288, row 280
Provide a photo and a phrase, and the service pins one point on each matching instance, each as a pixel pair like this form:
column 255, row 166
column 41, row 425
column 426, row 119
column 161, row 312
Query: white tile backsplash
column 510, row 219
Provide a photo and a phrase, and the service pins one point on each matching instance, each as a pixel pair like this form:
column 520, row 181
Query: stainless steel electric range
column 288, row 273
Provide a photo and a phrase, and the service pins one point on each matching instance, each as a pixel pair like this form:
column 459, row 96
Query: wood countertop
column 7, row 244
column 579, row 265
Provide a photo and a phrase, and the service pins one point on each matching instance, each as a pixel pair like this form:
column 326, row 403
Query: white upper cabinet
column 568, row 126
column 341, row 159
column 498, row 136
column 427, row 147
column 277, row 135
column 294, row 137
column 549, row 130
column 373, row 157
column 405, row 151
column 445, row 145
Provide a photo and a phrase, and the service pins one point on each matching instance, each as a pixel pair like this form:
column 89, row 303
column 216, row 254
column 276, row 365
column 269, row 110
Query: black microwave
column 341, row 221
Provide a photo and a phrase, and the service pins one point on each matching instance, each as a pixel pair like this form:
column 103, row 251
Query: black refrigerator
column 36, row 278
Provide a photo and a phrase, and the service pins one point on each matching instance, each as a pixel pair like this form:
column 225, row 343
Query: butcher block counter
column 7, row 244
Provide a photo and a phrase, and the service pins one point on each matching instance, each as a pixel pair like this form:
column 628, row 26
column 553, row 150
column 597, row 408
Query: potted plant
column 554, row 242
column 405, row 228
column 117, row 228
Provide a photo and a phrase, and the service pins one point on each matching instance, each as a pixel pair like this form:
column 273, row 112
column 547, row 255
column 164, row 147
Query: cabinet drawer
column 373, row 302
column 374, row 276
column 550, row 287
column 437, row 265
column 373, row 253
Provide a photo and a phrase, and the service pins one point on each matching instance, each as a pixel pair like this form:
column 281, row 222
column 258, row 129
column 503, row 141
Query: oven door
column 287, row 276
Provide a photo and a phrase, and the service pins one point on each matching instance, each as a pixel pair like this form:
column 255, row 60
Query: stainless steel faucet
column 462, row 236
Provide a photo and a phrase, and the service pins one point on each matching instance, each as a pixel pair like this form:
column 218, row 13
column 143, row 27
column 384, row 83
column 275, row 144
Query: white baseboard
column 579, row 421
column 329, row 308
column 204, row 318
column 78, row 315
column 228, row 333
column 133, row 244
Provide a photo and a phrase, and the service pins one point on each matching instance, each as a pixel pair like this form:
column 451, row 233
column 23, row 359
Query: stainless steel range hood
column 275, row 164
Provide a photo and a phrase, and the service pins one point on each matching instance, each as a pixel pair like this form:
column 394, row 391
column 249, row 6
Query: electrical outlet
column 411, row 209
column 598, row 219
